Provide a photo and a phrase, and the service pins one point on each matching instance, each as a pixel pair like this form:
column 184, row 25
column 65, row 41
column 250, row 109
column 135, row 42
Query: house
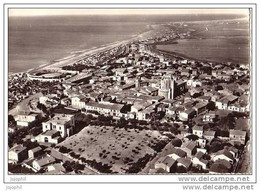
column 200, row 107
column 187, row 114
column 17, row 154
column 185, row 162
column 209, row 135
column 204, row 98
column 35, row 152
column 190, row 148
column 166, row 163
column 63, row 123
column 79, row 101
column 197, row 130
column 209, row 117
column 201, row 142
column 225, row 155
column 178, row 153
column 42, row 162
column 237, row 136
column 225, row 101
column 198, row 160
column 25, row 120
column 49, row 136
column 145, row 114
column 171, row 110
column 56, row 168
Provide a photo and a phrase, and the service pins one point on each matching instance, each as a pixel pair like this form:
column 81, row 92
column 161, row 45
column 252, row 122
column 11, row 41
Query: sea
column 40, row 40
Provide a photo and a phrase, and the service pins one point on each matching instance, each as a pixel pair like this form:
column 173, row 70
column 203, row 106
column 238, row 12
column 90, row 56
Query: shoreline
column 74, row 56
column 80, row 54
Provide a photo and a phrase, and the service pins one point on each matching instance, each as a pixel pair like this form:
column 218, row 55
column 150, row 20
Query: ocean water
column 34, row 41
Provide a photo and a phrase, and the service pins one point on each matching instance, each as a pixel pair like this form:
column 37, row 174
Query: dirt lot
column 116, row 147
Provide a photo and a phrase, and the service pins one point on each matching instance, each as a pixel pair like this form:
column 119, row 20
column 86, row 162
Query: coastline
column 74, row 56
column 80, row 54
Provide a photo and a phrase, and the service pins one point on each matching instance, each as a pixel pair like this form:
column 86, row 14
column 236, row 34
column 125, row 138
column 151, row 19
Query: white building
column 17, row 154
column 78, row 102
column 25, row 120
column 63, row 123
column 197, row 130
column 42, row 162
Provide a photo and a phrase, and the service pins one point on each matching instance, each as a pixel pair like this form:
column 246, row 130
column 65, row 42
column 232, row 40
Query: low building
column 209, row 117
column 187, row 114
column 237, row 136
column 177, row 153
column 197, row 130
column 17, row 154
column 56, row 168
column 225, row 155
column 79, row 101
column 224, row 102
column 202, row 142
column 198, row 160
column 42, row 162
column 190, row 148
column 200, row 108
column 25, row 120
column 49, row 136
column 209, row 135
column 145, row 114
column 166, row 163
column 35, row 152
column 185, row 162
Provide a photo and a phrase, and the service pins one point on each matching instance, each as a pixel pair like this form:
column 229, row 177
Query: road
column 23, row 105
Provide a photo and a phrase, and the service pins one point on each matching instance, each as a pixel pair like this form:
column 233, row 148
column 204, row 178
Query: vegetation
column 18, row 169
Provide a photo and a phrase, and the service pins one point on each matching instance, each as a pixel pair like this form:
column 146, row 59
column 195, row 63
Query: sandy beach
column 82, row 54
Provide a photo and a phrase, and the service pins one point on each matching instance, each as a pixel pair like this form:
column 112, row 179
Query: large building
column 170, row 88
column 63, row 123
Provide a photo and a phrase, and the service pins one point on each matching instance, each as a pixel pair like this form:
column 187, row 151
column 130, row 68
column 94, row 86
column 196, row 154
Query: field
column 118, row 148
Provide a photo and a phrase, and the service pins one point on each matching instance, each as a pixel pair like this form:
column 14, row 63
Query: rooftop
column 237, row 132
column 197, row 128
column 44, row 160
column 116, row 107
column 18, row 148
column 185, row 162
column 178, row 152
column 166, row 160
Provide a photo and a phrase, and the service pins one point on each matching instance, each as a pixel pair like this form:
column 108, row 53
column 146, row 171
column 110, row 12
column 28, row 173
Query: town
column 131, row 109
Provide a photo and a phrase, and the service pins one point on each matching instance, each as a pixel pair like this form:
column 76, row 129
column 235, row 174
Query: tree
column 42, row 107
column 63, row 149
column 192, row 137
column 176, row 142
column 181, row 169
column 30, row 145
column 211, row 106
column 11, row 119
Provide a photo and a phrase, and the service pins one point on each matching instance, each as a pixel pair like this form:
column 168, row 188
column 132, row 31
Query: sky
column 48, row 12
